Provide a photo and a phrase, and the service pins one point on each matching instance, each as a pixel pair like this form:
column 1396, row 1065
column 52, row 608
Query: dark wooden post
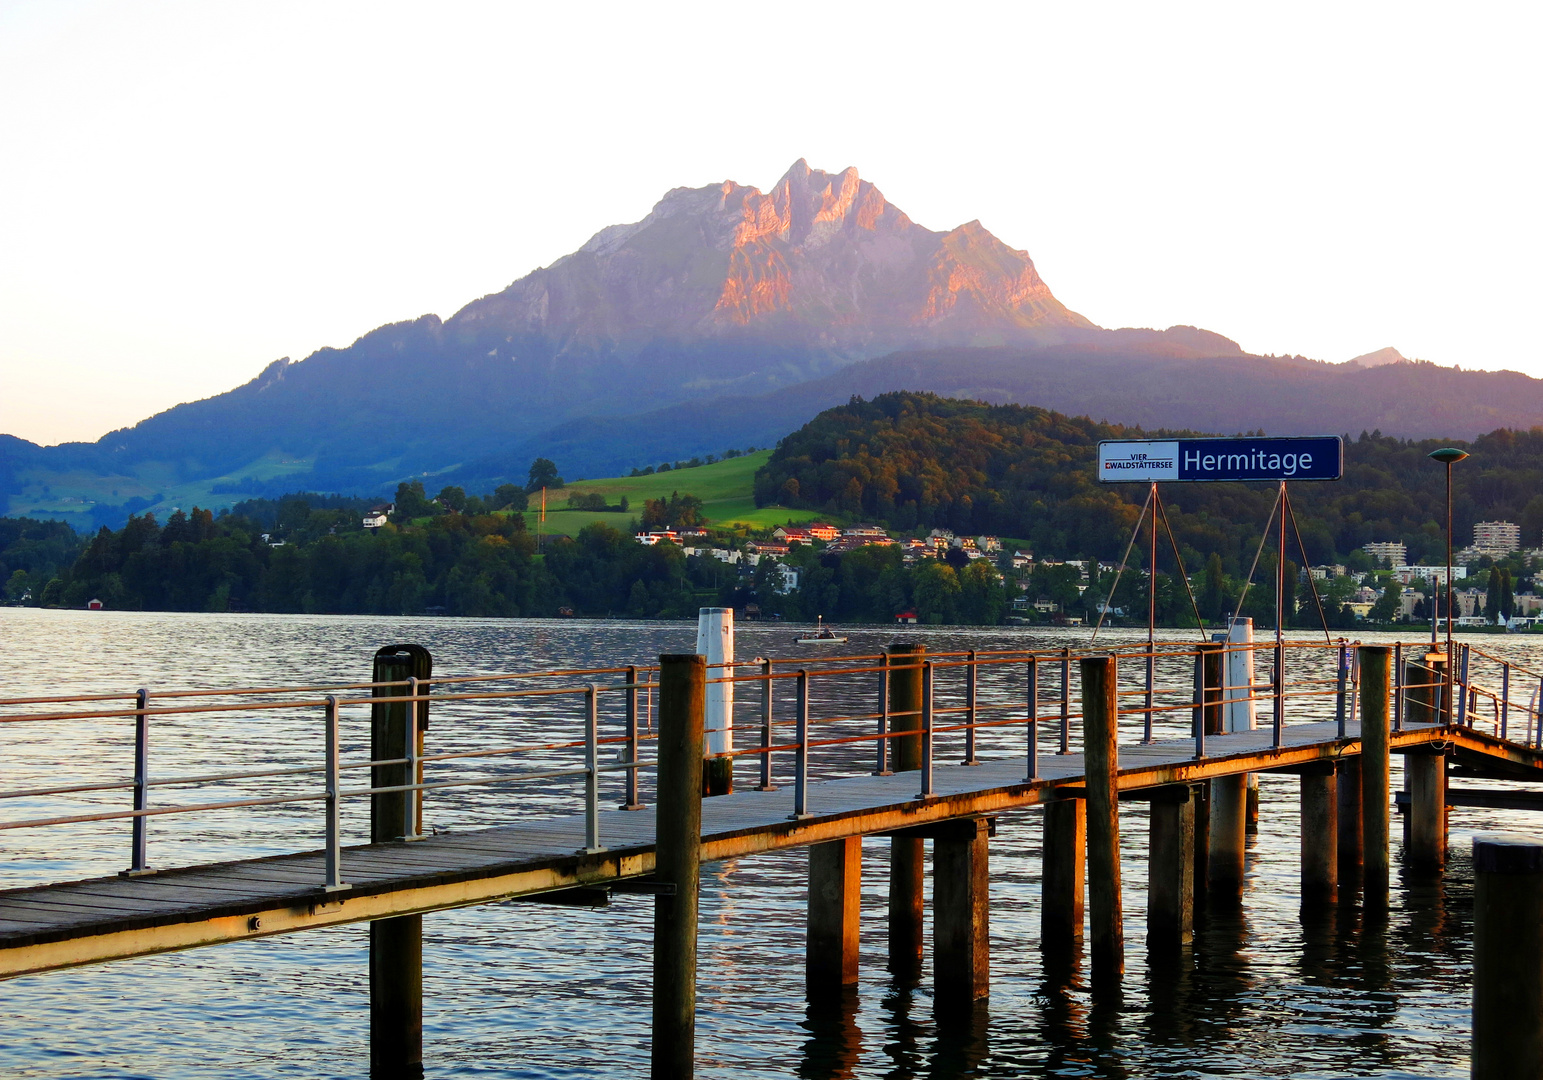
column 1229, row 831
column 682, row 702
column 835, row 897
column 1171, row 885
column 1425, row 773
column 960, row 908
column 1063, row 854
column 907, row 854
column 396, row 945
column 1507, row 957
column 1100, row 717
column 1320, row 834
column 1376, row 684
column 1419, row 695
column 1349, row 843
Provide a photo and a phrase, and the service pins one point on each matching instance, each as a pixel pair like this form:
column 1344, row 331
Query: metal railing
column 833, row 715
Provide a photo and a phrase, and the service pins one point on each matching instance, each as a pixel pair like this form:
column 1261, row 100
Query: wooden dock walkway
column 90, row 921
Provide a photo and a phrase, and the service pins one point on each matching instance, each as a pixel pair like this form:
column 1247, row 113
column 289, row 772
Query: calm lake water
column 533, row 991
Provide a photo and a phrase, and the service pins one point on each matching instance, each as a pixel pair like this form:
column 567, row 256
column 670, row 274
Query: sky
column 189, row 191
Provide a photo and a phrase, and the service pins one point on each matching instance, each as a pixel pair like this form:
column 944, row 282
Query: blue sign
column 1317, row 458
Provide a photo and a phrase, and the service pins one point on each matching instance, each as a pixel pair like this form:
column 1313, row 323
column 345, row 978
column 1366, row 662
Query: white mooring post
column 1238, row 706
column 715, row 642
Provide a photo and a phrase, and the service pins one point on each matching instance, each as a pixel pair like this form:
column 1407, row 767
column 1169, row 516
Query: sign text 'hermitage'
column 1317, row 458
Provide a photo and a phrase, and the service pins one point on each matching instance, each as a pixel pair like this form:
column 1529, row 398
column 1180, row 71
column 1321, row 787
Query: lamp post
column 1448, row 456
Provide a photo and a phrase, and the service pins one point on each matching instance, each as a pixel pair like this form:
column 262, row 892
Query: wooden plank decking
column 102, row 919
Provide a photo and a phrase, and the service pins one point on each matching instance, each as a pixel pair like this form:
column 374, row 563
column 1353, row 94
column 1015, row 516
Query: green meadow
column 726, row 488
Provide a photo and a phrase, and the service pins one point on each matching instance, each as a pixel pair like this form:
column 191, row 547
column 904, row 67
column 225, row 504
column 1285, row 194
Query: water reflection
column 835, row 1044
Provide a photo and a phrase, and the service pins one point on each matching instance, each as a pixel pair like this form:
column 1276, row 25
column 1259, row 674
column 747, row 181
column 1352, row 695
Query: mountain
column 1389, row 355
column 726, row 317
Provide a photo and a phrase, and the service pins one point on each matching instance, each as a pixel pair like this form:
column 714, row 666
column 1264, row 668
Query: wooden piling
column 907, row 855
column 960, row 912
column 1171, row 879
column 1507, row 957
column 1349, row 841
column 835, row 896
column 682, row 695
column 1100, row 717
column 1064, row 868
column 1425, row 772
column 1320, row 835
column 1376, row 684
column 1229, row 828
column 396, row 945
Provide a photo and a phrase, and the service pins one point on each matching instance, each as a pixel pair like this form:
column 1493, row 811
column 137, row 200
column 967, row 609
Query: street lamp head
column 1448, row 455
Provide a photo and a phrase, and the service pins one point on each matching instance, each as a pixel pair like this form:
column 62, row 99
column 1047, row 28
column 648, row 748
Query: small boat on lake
column 823, row 635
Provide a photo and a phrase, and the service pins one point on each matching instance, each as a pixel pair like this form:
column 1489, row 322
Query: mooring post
column 1320, row 834
column 677, row 862
column 1064, row 869
column 835, row 897
column 1375, row 662
column 1229, row 830
column 907, row 854
column 1171, row 883
column 1100, row 718
column 960, row 914
column 1507, row 956
column 715, row 642
column 1425, row 773
column 396, row 945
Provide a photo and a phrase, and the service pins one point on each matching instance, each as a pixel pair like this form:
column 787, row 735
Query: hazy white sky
column 190, row 190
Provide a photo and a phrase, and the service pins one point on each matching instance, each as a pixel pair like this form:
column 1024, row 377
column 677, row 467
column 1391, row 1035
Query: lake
column 527, row 990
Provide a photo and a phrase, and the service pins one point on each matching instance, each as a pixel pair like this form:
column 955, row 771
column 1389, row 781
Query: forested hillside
column 917, row 461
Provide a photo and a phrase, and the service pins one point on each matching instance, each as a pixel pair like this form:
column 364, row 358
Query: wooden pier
column 1196, row 786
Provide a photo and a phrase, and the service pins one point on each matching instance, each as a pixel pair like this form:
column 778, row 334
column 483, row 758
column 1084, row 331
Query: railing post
column 1198, row 713
column 907, row 857
column 1280, row 695
column 1341, row 678
column 1100, row 718
column 333, row 857
column 1032, row 725
column 592, row 770
column 969, row 712
column 926, row 792
column 1066, row 701
column 412, row 803
column 1375, row 793
column 1146, row 729
column 905, row 703
column 881, row 766
column 1462, row 683
column 766, row 728
column 630, row 697
column 801, row 753
column 678, row 858
column 1505, row 698
column 139, row 843
column 1398, row 686
column 1507, row 957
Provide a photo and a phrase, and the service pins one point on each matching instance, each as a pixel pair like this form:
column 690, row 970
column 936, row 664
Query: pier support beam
column 1507, row 956
column 835, row 895
column 1063, row 852
column 1376, row 686
column 1320, row 834
column 1229, row 825
column 1350, row 846
column 1171, row 883
column 396, row 998
column 907, row 858
column 1101, row 761
column 1426, row 815
column 678, row 861
column 960, row 910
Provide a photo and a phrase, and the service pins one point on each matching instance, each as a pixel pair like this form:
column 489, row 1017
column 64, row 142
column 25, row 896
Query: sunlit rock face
column 821, row 259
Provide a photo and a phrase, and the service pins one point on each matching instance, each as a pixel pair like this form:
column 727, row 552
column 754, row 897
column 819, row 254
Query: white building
column 1388, row 552
column 1497, row 538
column 1406, row 574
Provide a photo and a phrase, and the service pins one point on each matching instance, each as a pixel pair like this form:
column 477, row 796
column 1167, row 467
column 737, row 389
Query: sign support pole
column 1151, row 614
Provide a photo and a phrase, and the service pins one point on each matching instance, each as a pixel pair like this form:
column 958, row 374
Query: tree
column 1213, row 585
column 509, row 497
column 1492, row 595
column 412, row 502
column 543, row 474
column 452, row 499
column 1386, row 608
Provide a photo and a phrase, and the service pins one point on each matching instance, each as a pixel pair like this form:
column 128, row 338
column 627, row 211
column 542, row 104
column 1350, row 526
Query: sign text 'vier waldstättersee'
column 1317, row 458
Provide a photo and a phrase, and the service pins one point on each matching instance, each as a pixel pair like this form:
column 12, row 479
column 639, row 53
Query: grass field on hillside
column 726, row 488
